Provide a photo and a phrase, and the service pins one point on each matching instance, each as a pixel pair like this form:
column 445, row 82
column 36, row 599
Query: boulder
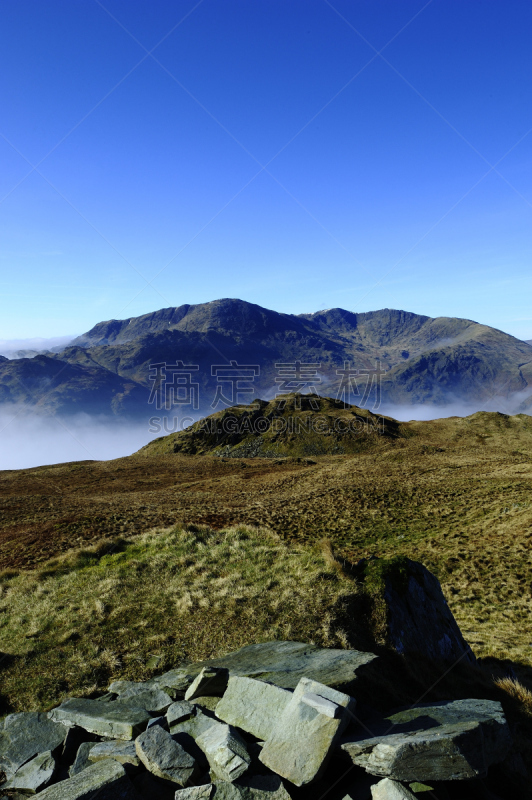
column 164, row 757
column 441, row 741
column 390, row 790
column 226, row 752
column 123, row 752
column 304, row 738
column 25, row 735
column 262, row 787
column 254, row 706
column 33, row 776
column 114, row 719
column 284, row 664
column 107, row 780
column 162, row 721
column 210, row 681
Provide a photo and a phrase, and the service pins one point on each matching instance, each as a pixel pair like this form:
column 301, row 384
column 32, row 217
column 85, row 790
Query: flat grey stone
column 24, row 736
column 252, row 705
column 116, row 720
column 226, row 752
column 304, row 739
column 210, row 681
column 144, row 695
column 322, row 706
column 164, row 757
column 285, row 663
column 176, row 681
column 441, row 741
column 34, row 775
column 81, row 761
column 107, row 780
column 195, row 792
column 390, row 790
column 182, row 709
column 121, row 751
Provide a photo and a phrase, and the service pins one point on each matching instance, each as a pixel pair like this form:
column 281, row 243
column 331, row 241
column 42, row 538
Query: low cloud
column 10, row 347
column 29, row 440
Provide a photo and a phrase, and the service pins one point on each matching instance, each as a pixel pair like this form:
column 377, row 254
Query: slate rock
column 121, row 751
column 226, row 752
column 210, row 681
column 419, row 619
column 195, row 792
column 285, row 663
column 178, row 711
column 116, row 719
column 304, row 739
column 24, row 736
column 81, row 761
column 226, row 791
column 252, row 705
column 106, row 780
column 164, row 757
column 451, row 740
column 146, row 695
column 390, row 790
column 34, row 775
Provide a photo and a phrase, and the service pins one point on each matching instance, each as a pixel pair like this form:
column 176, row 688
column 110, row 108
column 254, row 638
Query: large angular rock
column 24, row 736
column 226, row 752
column 32, row 776
column 419, row 621
column 164, row 757
column 254, row 706
column 106, row 780
column 390, row 790
column 440, row 741
column 284, row 664
column 210, row 681
column 307, row 731
column 115, row 719
column 121, row 751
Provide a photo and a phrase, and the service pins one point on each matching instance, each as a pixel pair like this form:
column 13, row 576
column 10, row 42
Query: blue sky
column 299, row 154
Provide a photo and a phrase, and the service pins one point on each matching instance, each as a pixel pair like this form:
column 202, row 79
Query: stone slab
column 121, row 751
column 25, row 735
column 304, row 739
column 34, row 775
column 81, row 761
column 195, row 792
column 453, row 740
column 252, row 705
column 116, row 720
column 178, row 711
column 210, row 681
column 285, row 663
column 107, row 780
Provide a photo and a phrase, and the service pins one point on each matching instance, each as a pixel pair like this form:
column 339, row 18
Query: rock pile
column 268, row 722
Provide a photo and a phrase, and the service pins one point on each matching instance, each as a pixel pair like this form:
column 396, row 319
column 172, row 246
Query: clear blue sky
column 298, row 154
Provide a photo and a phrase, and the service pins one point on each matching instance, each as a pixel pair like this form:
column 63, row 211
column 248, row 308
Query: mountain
column 414, row 359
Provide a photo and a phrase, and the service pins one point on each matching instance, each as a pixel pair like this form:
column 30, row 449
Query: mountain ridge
column 414, row 358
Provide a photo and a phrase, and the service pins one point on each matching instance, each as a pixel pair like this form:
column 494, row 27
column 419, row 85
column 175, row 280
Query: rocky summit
column 271, row 721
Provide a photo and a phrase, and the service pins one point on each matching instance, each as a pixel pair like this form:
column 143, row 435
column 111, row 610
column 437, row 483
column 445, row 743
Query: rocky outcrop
column 262, row 741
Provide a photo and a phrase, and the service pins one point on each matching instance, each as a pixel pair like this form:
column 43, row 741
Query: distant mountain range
column 206, row 352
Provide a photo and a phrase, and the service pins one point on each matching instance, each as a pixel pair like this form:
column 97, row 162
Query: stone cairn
column 271, row 721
